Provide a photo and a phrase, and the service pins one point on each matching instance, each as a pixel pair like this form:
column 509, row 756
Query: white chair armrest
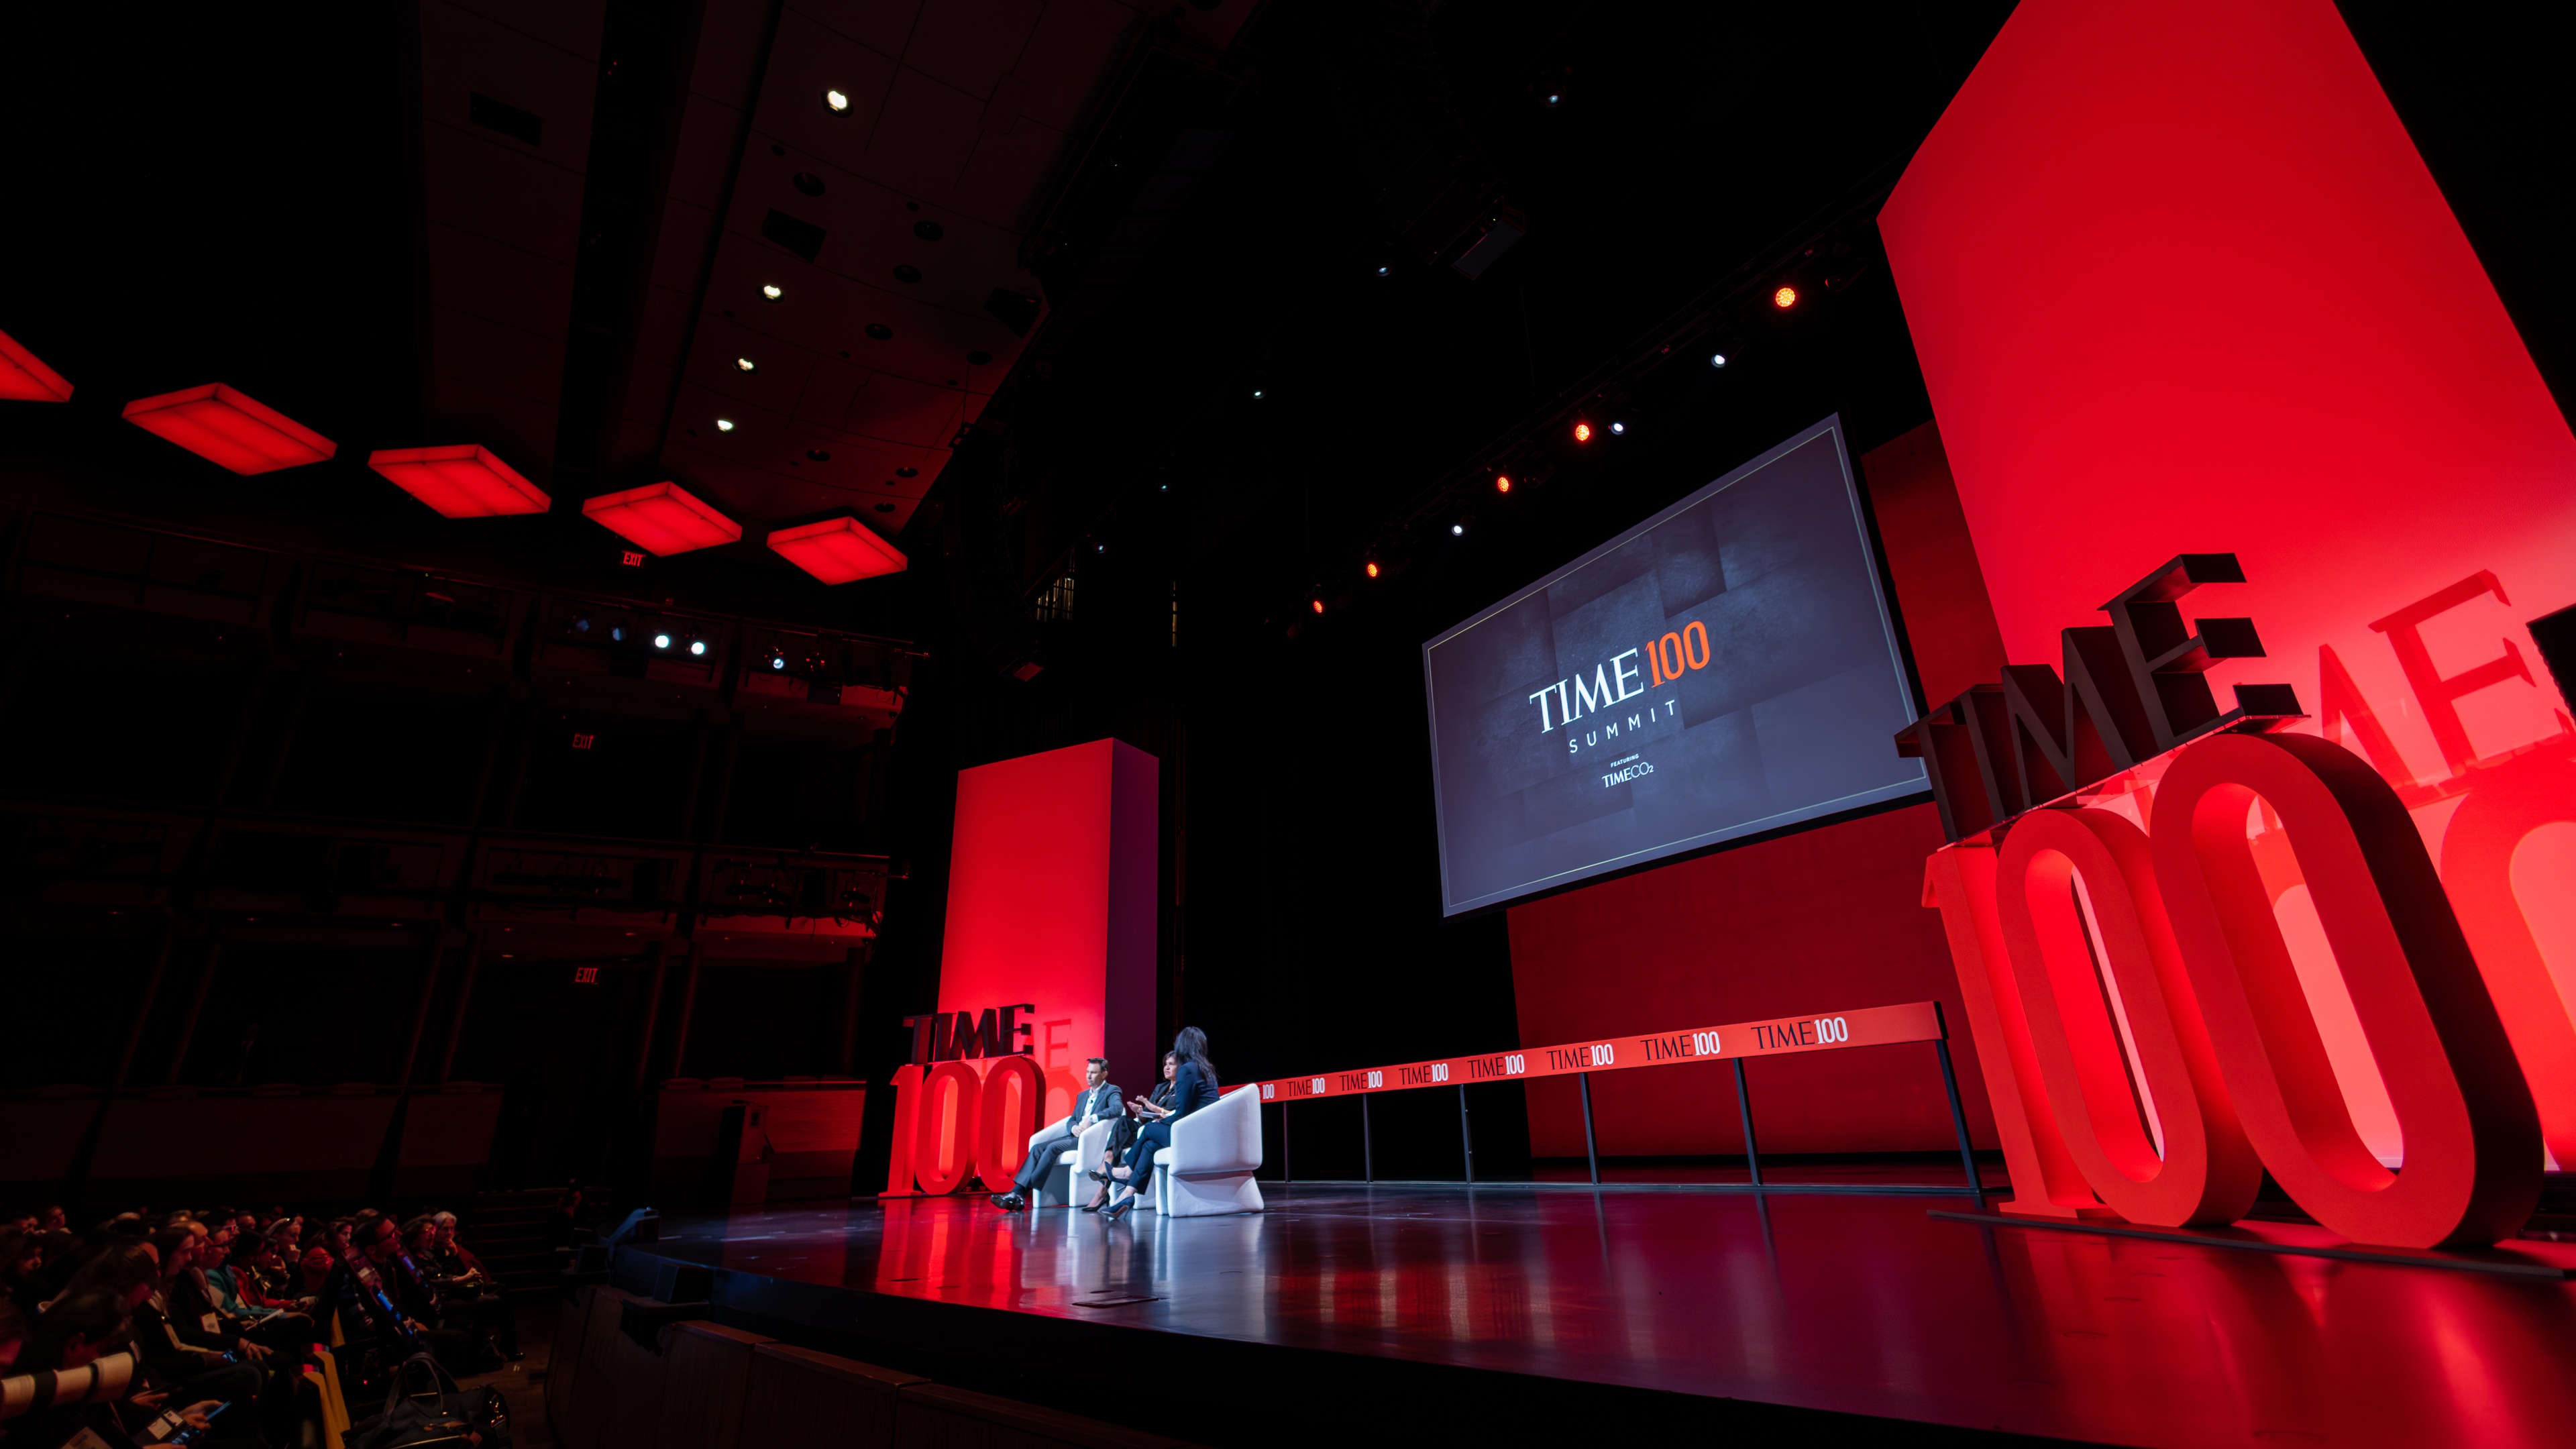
column 1224, row 1136
column 1051, row 1129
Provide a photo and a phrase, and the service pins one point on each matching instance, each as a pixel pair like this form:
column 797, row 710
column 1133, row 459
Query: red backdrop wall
column 1828, row 918
column 1051, row 900
column 2179, row 282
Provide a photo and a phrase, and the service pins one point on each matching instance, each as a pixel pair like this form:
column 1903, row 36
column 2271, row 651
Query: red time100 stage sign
column 2147, row 1039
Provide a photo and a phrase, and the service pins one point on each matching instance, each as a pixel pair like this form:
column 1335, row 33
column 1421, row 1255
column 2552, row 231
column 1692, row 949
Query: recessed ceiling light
column 697, row 646
column 836, row 100
column 724, row 425
column 1256, row 394
column 1717, row 359
column 907, row 472
column 885, row 508
column 772, row 291
column 1457, row 530
column 746, row 364
column 661, row 641
column 907, row 273
column 818, row 455
column 880, row 332
column 1618, row 427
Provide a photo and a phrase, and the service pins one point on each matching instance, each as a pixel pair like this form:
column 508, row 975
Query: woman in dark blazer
column 1193, row 1087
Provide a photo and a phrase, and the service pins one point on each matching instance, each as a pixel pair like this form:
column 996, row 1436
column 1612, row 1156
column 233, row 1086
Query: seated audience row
column 199, row 1328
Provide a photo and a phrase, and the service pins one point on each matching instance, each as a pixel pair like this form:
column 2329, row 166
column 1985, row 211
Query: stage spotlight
column 1385, row 269
column 618, row 634
column 1618, row 428
column 1555, row 98
column 724, row 425
column 745, row 364
column 1457, row 530
column 697, row 646
column 661, row 641
column 1502, row 482
column 581, row 623
column 837, row 101
column 1785, row 297
column 1316, row 604
column 773, row 291
column 1583, row 432
column 1256, row 394
column 777, row 661
column 1372, row 568
column 1717, row 359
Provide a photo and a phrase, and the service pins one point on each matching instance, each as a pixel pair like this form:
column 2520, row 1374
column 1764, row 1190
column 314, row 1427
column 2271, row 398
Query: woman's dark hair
column 97, row 1316
column 169, row 1241
column 1191, row 1046
column 245, row 1248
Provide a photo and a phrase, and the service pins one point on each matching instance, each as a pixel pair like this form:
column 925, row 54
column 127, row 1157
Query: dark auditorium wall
column 1823, row 919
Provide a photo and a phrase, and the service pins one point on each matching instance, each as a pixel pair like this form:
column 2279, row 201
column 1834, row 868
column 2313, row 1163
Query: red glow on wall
column 464, row 481
column 838, row 550
column 1843, row 902
column 661, row 519
column 25, row 378
column 222, row 426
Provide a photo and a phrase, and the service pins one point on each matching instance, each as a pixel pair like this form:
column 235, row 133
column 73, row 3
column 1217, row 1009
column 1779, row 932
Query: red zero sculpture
column 2208, row 1172
column 1006, row 1119
column 942, row 1144
column 2472, row 1137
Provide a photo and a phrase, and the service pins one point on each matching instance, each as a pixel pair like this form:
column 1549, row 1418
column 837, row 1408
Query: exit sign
column 632, row 559
column 585, row 976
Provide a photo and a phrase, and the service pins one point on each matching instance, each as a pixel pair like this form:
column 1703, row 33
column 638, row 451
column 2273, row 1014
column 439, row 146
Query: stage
column 1521, row 1308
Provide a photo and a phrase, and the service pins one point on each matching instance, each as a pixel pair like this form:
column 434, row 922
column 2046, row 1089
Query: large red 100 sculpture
column 2230, row 1069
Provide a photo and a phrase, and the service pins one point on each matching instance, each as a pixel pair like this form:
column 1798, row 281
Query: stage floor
column 1857, row 1304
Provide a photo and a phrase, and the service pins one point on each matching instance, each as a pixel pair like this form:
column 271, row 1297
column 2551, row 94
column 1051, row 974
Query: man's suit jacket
column 1095, row 1102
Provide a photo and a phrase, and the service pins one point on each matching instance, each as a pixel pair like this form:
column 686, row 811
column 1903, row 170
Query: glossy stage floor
column 1523, row 1309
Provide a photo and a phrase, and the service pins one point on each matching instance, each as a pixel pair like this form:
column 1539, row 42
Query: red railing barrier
column 1777, row 1036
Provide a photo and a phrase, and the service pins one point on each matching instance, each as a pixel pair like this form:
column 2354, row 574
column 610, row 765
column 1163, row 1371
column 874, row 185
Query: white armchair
column 1214, row 1153
column 1066, row 1179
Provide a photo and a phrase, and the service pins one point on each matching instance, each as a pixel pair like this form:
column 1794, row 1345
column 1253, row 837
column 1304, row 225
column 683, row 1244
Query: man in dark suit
column 1097, row 1100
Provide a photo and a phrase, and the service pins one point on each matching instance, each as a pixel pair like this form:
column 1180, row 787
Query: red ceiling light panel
column 221, row 425
column 464, row 481
column 661, row 519
column 838, row 550
column 25, row 378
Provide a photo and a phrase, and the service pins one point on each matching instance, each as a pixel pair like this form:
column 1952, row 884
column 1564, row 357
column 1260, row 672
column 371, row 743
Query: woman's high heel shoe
column 1118, row 1209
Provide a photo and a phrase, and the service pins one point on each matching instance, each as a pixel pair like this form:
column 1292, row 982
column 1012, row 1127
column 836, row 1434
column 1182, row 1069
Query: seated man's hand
column 250, row 1350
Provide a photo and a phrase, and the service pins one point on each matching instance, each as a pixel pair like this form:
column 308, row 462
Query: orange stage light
column 1583, row 432
column 1785, row 297
column 1372, row 568
column 1503, row 481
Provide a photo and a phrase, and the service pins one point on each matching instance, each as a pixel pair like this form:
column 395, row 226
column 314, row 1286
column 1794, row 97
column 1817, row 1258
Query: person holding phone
column 1193, row 1087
